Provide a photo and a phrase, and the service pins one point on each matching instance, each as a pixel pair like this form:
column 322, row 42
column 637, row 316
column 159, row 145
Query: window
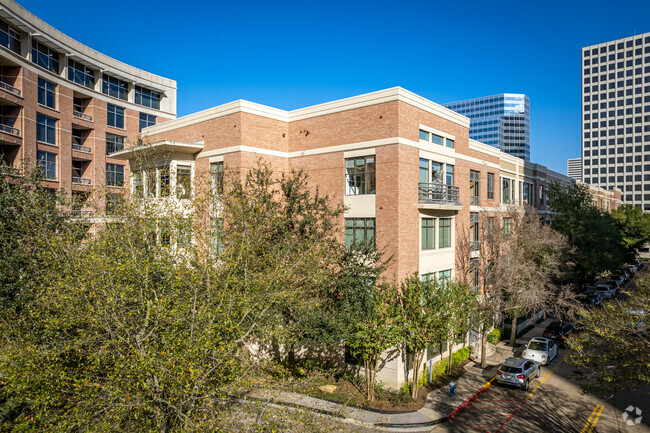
column 81, row 74
column 428, row 233
column 147, row 98
column 424, row 170
column 114, row 143
column 183, row 181
column 45, row 93
column 138, row 184
column 444, row 232
column 45, row 57
column 360, row 175
column 474, row 231
column 444, row 276
column 216, row 235
column 114, row 203
column 490, row 186
column 359, row 230
column 424, row 135
column 163, row 182
column 184, row 234
column 436, row 139
column 9, row 37
column 506, row 190
column 115, row 116
column 449, row 174
column 474, row 267
column 114, row 174
column 47, row 162
column 115, row 87
column 474, row 184
column 528, row 190
column 449, row 143
column 45, row 129
column 150, row 178
column 541, row 195
column 216, row 178
column 146, row 120
column 490, row 226
column 507, row 226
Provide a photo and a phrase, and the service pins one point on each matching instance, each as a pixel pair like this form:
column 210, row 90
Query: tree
column 375, row 331
column 611, row 348
column 634, row 226
column 593, row 235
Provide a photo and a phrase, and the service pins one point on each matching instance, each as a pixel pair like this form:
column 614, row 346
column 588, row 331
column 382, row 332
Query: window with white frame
column 183, row 181
column 360, row 175
column 444, row 232
column 428, row 229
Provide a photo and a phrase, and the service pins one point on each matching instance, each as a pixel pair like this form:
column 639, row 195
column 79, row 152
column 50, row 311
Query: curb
column 469, row 399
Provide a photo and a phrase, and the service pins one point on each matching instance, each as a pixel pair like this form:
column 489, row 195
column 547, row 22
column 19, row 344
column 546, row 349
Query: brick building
column 68, row 107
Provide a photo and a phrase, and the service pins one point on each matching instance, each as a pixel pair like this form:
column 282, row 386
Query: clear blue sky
column 292, row 54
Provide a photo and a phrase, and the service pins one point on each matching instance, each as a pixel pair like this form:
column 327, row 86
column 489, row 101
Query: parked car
column 605, row 291
column 541, row 350
column 517, row 372
column 639, row 263
column 615, row 280
column 624, row 275
column 558, row 332
column 631, row 268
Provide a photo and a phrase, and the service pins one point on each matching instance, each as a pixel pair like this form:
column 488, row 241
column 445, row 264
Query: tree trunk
column 449, row 361
column 513, row 332
column 292, row 359
column 417, row 360
column 484, row 346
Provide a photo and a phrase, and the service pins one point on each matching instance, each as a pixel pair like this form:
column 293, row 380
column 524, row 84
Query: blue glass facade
column 502, row 121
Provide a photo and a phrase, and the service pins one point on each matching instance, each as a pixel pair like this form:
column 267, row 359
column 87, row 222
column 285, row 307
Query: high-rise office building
column 502, row 121
column 616, row 117
column 574, row 168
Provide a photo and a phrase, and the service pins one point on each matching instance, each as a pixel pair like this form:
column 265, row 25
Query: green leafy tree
column 459, row 301
column 634, row 226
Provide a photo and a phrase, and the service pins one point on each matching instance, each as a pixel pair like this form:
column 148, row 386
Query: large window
column 474, row 267
column 114, row 143
column 183, row 181
column 506, row 190
column 150, row 182
column 360, row 175
column 528, row 193
column 45, row 129
column 146, row 120
column 216, row 178
column 164, row 181
column 9, row 37
column 45, row 57
column 147, row 98
column 114, row 174
column 428, row 233
column 444, row 233
column 115, row 87
column 436, row 139
column 507, row 226
column 115, row 116
column 81, row 74
column 474, row 184
column 490, row 186
column 474, row 231
column 449, row 174
column 45, row 92
column 359, row 230
column 47, row 162
column 138, row 184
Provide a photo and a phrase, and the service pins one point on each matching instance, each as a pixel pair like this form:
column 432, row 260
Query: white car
column 541, row 350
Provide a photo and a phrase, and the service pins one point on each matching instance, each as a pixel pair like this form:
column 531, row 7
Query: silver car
column 541, row 350
column 517, row 372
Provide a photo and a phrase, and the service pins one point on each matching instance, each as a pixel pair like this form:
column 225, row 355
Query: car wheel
column 525, row 386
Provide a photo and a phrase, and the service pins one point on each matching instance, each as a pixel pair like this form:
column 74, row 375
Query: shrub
column 494, row 335
column 460, row 356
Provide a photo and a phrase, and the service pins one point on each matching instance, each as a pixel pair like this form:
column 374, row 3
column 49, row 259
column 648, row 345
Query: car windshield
column 508, row 369
column 537, row 345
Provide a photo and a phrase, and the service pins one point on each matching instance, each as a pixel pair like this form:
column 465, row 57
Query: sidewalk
column 437, row 407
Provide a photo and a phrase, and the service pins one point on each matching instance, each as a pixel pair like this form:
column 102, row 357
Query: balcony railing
column 438, row 193
column 474, row 200
column 81, row 181
column 82, row 213
column 8, row 170
column 9, row 88
column 474, row 245
column 80, row 148
column 9, row 129
column 82, row 116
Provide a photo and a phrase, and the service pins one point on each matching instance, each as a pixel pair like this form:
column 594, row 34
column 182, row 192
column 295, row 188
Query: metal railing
column 80, row 148
column 82, row 116
column 9, row 88
column 8, row 170
column 438, row 193
column 82, row 213
column 474, row 245
column 474, row 200
column 9, row 129
column 81, row 180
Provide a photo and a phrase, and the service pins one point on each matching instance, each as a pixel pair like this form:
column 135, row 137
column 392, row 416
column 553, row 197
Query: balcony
column 7, row 170
column 9, row 88
column 80, row 148
column 82, row 213
column 9, row 129
column 81, row 181
column 82, row 116
column 438, row 196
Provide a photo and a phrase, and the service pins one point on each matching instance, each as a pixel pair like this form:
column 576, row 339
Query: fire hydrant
column 452, row 389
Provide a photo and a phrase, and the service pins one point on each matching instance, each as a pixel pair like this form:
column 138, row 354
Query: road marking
column 547, row 376
column 593, row 412
column 596, row 419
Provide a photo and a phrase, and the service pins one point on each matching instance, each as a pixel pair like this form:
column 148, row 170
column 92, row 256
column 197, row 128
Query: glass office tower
column 502, row 121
